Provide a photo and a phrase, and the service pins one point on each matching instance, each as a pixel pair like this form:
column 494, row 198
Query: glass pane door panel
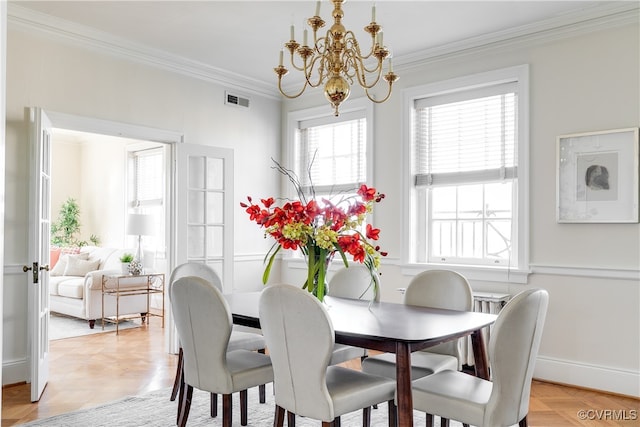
column 214, row 241
column 215, row 174
column 215, row 208
column 196, row 172
column 196, row 207
column 196, row 241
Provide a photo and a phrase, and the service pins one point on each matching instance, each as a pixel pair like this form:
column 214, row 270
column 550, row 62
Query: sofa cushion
column 61, row 265
column 54, row 281
column 80, row 267
column 72, row 288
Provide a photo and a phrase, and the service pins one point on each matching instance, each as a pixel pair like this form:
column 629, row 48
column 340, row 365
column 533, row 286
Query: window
column 147, row 190
column 331, row 154
column 468, row 171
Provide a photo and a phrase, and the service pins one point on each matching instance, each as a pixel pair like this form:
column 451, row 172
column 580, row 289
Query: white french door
column 39, row 234
column 205, row 208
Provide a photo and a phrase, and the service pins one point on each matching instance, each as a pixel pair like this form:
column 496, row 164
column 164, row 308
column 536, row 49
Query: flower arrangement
column 320, row 230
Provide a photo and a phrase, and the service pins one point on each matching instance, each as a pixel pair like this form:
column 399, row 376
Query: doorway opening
column 103, row 179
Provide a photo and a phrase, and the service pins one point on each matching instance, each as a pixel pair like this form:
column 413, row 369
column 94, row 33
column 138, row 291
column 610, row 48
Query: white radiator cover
column 483, row 302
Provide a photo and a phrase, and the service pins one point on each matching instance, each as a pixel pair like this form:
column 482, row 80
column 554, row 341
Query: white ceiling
column 244, row 37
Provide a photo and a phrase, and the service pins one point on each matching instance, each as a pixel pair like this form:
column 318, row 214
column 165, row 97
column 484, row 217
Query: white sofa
column 75, row 285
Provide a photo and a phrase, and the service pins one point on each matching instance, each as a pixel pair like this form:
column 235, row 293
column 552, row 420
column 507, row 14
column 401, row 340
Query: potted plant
column 64, row 231
column 126, row 259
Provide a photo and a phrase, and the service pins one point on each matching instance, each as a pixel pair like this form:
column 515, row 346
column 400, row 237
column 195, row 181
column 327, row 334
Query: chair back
column 300, row 338
column 204, row 322
column 441, row 289
column 196, row 269
column 513, row 348
column 355, row 282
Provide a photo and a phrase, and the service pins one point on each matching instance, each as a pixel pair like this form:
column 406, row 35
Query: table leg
column 480, row 354
column 403, row 387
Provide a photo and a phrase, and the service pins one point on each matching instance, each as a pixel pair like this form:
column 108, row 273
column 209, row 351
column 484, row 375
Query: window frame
column 519, row 75
column 359, row 106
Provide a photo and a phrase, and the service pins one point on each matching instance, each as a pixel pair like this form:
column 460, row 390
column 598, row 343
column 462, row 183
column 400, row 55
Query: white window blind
column 466, row 136
column 332, row 155
column 148, row 170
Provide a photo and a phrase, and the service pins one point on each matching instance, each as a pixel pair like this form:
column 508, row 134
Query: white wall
column 578, row 83
column 68, row 78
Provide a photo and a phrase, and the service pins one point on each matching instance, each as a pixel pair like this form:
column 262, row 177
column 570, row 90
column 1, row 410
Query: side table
column 124, row 285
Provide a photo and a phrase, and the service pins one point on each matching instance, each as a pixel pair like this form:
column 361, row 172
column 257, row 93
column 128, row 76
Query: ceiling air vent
column 237, row 100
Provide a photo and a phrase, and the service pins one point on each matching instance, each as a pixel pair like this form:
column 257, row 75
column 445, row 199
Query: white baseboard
column 15, row 371
column 588, row 376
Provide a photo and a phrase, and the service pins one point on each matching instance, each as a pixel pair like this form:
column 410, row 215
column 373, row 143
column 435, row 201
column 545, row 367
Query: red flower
column 367, row 193
column 372, row 233
column 268, row 202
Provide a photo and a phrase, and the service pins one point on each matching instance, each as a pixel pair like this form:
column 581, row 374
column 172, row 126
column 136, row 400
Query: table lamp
column 140, row 225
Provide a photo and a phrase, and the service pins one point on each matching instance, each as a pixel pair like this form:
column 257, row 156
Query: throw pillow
column 80, row 267
column 61, row 265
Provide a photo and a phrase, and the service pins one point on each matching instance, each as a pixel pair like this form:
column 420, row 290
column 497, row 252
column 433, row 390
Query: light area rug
column 156, row 410
column 61, row 326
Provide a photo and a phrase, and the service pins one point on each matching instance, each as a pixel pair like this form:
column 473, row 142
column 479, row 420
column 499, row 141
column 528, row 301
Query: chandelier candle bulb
column 304, row 38
column 373, row 13
column 317, row 8
column 390, row 65
column 380, row 39
column 293, row 33
column 282, row 54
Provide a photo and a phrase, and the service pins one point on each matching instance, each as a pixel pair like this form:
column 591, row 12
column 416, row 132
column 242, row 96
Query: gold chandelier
column 337, row 60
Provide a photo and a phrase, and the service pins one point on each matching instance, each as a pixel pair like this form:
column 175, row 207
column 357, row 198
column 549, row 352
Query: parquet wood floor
column 95, row 369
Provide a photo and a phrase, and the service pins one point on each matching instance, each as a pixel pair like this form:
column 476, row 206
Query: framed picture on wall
column 597, row 179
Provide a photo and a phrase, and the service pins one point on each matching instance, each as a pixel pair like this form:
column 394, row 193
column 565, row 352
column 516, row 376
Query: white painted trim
column 107, row 127
column 595, row 377
column 600, row 273
column 89, row 38
column 14, row 371
column 597, row 18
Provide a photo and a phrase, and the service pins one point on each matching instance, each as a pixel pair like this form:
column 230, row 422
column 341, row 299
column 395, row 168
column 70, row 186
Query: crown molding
column 31, row 21
column 597, row 18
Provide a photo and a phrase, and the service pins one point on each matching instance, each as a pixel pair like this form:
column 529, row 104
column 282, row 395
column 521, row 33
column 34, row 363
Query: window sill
column 473, row 273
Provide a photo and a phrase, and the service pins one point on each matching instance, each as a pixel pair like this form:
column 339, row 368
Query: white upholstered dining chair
column 513, row 348
column 203, row 320
column 300, row 338
column 238, row 340
column 353, row 282
column 437, row 289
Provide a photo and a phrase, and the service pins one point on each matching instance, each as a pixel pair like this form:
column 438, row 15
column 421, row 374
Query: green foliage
column 126, row 257
column 66, row 228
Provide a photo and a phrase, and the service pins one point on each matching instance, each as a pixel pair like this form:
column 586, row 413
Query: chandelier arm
column 321, row 73
column 350, row 39
column 362, row 73
column 292, row 96
column 379, row 101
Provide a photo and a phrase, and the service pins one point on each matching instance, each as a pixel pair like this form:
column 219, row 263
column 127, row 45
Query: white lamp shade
column 140, row 224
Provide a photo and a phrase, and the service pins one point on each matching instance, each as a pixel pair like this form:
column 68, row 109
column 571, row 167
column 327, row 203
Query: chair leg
column 278, row 418
column 291, row 419
column 226, row 410
column 176, row 382
column 444, row 422
column 186, row 406
column 429, row 420
column 243, row 407
column 181, row 396
column 261, row 387
column 523, row 422
column 366, row 416
column 465, row 425
column 336, row 422
column 214, row 405
column 393, row 413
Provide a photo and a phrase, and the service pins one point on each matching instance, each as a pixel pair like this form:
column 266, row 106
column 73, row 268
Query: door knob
column 44, row 267
column 25, row 268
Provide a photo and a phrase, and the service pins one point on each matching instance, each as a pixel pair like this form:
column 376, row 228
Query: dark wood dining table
column 388, row 327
